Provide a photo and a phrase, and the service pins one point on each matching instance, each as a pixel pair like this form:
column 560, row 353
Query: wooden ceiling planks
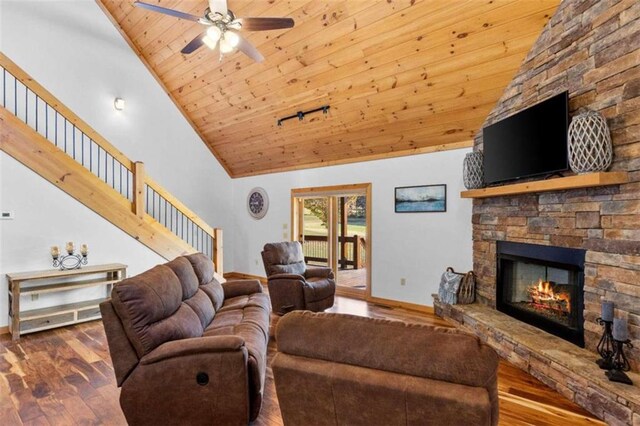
column 401, row 76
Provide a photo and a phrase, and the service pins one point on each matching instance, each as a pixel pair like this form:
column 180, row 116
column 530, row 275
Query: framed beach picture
column 421, row 199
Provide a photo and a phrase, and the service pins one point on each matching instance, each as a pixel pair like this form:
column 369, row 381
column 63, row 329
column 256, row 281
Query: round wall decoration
column 257, row 203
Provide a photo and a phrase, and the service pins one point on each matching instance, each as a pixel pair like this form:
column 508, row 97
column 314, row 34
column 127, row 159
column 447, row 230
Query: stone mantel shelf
column 570, row 182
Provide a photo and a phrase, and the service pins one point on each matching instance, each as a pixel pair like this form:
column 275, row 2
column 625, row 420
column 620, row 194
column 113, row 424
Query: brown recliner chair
column 292, row 284
column 334, row 369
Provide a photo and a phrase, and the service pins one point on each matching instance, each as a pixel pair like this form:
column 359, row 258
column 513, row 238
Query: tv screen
column 530, row 143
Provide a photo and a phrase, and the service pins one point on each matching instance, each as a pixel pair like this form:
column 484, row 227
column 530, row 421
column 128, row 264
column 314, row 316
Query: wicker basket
column 467, row 290
column 590, row 148
column 472, row 173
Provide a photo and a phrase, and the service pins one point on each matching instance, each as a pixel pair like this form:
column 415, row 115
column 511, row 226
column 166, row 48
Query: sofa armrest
column 241, row 288
column 193, row 346
column 172, row 381
column 319, row 272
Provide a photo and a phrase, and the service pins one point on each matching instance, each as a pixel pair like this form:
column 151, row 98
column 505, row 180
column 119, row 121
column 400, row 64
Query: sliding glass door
column 333, row 226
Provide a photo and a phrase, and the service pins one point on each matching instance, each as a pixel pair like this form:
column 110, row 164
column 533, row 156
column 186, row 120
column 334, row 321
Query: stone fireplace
column 591, row 49
column 542, row 286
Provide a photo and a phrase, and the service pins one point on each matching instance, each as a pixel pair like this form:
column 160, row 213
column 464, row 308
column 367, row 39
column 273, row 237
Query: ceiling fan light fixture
column 221, row 28
column 211, row 44
column 225, row 47
column 214, row 33
column 231, row 38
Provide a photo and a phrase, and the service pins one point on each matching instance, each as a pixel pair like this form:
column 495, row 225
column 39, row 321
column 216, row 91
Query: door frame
column 332, row 192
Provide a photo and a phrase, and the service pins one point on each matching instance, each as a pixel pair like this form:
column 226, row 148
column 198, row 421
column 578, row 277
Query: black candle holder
column 70, row 261
column 620, row 363
column 606, row 347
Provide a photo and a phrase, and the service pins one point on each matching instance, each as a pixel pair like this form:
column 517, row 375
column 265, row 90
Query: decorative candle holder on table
column 71, row 260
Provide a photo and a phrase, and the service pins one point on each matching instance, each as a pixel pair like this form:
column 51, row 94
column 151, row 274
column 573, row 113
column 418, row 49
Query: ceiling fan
column 223, row 28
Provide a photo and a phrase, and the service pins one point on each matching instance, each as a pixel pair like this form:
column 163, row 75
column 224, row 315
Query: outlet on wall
column 256, row 260
column 403, row 281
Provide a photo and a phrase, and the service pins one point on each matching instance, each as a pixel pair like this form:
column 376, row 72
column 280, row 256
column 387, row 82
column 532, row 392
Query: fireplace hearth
column 542, row 286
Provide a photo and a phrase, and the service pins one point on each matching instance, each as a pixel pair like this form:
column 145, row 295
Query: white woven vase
column 590, row 148
column 472, row 173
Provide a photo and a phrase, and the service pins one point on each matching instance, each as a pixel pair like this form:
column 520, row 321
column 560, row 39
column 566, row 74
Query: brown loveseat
column 185, row 348
column 292, row 284
column 334, row 369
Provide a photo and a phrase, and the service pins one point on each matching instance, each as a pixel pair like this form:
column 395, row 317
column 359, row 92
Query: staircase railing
column 39, row 109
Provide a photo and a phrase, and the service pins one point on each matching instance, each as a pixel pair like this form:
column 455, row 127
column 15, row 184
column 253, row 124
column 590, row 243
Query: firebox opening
column 536, row 286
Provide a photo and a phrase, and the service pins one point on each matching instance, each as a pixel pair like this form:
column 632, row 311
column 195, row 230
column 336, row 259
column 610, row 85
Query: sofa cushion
column 209, row 283
column 283, row 258
column 247, row 317
column 185, row 273
column 203, row 267
column 297, row 268
column 151, row 309
column 202, row 306
column 215, row 292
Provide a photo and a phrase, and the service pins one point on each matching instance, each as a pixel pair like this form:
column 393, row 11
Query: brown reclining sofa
column 334, row 369
column 185, row 348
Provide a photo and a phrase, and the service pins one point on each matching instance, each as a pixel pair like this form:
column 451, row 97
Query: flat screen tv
column 532, row 142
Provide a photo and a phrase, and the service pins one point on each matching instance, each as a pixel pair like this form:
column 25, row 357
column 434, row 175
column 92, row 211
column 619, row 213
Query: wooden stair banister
column 127, row 211
column 31, row 149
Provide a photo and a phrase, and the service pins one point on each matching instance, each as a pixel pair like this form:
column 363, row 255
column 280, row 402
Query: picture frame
column 421, row 199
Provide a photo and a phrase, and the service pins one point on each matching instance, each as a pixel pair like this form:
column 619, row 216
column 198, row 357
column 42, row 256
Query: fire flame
column 543, row 294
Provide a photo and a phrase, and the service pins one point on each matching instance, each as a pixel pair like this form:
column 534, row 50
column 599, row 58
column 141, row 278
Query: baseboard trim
column 4, row 330
column 243, row 276
column 403, row 305
column 377, row 300
column 350, row 293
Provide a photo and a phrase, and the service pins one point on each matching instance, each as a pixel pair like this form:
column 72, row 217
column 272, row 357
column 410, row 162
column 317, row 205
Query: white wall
column 46, row 216
column 73, row 50
column 415, row 246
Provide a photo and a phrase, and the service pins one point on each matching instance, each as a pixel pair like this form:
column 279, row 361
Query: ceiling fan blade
column 171, row 12
column 264, row 24
column 194, row 44
column 218, row 6
column 247, row 48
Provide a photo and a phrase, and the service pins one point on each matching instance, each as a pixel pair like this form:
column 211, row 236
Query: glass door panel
column 314, row 234
column 351, row 247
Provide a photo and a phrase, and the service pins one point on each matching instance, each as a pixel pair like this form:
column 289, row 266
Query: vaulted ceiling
column 401, row 77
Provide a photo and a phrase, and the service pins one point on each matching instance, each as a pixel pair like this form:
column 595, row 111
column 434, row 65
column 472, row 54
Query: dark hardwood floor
column 64, row 377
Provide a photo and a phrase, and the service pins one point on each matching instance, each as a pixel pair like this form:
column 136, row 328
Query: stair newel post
column 138, row 189
column 217, row 250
